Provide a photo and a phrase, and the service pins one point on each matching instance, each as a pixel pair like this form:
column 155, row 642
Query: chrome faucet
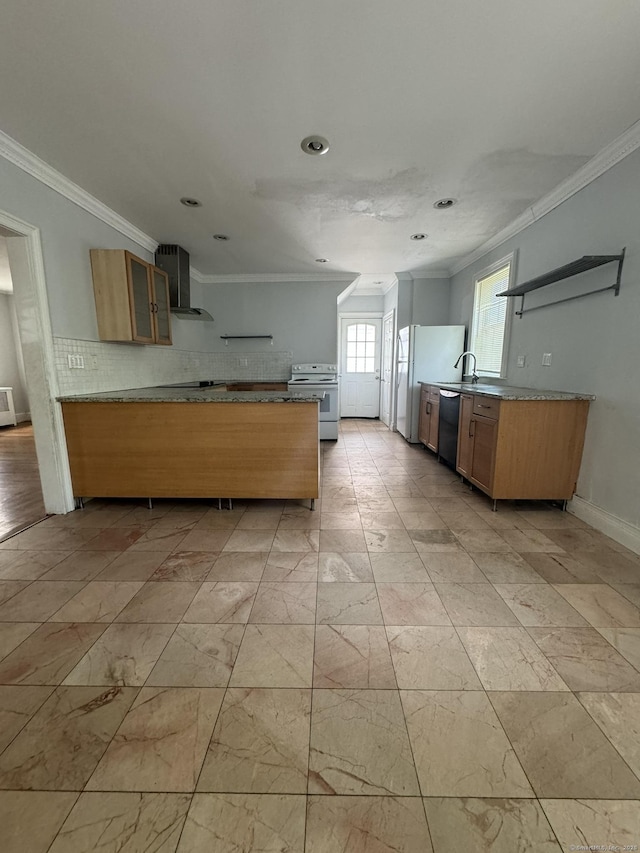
column 474, row 375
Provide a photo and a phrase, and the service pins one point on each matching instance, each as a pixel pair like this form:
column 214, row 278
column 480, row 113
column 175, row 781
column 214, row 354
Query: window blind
column 489, row 321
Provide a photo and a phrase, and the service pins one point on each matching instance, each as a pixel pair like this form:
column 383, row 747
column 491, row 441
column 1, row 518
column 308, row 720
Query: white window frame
column 478, row 277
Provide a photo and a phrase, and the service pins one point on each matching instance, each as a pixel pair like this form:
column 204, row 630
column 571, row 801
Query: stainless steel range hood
column 174, row 260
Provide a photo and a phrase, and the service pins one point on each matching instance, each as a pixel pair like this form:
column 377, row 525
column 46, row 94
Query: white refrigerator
column 425, row 354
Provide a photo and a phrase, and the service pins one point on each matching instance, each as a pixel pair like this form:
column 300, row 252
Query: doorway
column 386, row 376
column 360, row 346
column 24, row 252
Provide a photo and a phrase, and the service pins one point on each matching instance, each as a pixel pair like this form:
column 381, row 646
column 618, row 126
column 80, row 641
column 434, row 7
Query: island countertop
column 510, row 392
column 211, row 394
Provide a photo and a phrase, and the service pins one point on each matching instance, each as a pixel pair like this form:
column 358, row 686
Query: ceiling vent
column 174, row 260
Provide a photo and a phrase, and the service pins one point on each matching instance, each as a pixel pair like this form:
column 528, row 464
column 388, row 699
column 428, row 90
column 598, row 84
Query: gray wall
column 68, row 233
column 353, row 304
column 301, row 316
column 431, row 301
column 11, row 373
column 595, row 341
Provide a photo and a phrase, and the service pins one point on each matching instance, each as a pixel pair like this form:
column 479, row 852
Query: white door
column 360, row 367
column 403, row 422
column 386, row 377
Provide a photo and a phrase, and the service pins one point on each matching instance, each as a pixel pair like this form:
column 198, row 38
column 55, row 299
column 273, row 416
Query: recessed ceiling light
column 314, row 145
column 444, row 203
column 418, row 237
column 322, row 261
column 190, row 202
column 220, row 237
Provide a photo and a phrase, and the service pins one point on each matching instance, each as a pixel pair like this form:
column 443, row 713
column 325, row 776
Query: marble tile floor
column 400, row 670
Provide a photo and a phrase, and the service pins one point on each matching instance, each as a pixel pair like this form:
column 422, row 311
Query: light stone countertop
column 510, row 392
column 211, row 394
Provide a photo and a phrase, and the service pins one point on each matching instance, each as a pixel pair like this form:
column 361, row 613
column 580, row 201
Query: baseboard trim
column 21, row 417
column 623, row 532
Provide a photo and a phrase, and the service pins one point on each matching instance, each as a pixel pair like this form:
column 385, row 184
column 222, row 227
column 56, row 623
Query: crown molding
column 604, row 160
column 266, row 278
column 46, row 174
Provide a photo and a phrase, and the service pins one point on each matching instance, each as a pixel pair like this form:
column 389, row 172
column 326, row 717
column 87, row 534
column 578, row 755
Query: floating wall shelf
column 588, row 262
column 227, row 338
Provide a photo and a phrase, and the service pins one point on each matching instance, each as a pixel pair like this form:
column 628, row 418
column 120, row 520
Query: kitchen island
column 193, row 443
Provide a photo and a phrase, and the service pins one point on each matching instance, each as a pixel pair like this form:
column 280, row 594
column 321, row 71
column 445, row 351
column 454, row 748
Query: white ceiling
column 493, row 103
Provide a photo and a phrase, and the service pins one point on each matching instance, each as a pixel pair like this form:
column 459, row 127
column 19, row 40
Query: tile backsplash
column 113, row 367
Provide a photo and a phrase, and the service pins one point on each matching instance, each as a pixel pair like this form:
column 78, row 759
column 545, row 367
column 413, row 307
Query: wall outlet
column 75, row 361
column 522, row 360
column 243, row 362
column 546, row 359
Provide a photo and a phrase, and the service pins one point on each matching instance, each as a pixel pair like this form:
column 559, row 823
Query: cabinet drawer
column 488, row 407
column 434, row 393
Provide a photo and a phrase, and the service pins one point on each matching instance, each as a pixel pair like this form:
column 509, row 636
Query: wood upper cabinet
column 521, row 449
column 429, row 416
column 132, row 298
column 162, row 313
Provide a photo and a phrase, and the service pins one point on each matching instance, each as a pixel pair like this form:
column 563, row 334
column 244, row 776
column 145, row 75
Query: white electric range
column 320, row 377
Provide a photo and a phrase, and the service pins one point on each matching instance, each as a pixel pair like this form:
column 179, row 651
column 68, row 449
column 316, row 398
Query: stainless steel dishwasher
column 448, row 426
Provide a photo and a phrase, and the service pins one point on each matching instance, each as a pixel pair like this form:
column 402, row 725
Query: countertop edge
column 206, row 395
column 511, row 392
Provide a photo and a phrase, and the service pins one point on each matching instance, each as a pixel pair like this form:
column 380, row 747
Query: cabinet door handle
column 471, row 423
column 482, row 406
column 428, row 409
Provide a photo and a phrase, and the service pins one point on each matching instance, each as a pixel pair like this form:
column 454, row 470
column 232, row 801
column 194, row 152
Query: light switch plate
column 75, row 361
column 546, row 359
column 522, row 360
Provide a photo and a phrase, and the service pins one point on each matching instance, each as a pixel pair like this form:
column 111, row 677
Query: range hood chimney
column 174, row 260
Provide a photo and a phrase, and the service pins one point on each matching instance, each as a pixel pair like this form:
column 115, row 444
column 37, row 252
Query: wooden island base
column 193, row 450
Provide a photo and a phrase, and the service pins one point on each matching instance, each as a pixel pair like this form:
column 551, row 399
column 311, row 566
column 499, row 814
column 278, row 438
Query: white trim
column 46, row 174
column 34, row 324
column 509, row 259
column 391, row 314
column 266, row 278
column 616, row 528
column 21, row 417
column 604, row 160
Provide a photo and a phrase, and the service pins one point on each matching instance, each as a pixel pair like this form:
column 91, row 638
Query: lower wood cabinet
column 521, row 449
column 193, row 449
column 429, row 416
